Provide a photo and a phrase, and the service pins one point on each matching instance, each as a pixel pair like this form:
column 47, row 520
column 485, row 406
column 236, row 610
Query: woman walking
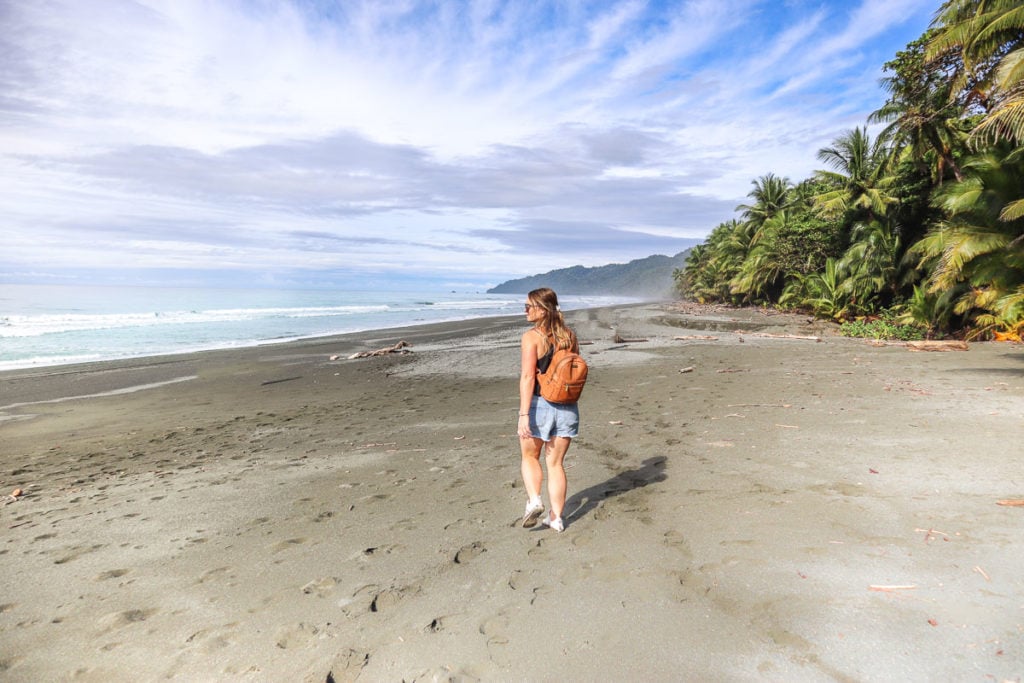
column 542, row 423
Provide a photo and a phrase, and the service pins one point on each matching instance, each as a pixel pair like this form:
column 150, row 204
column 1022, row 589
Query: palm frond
column 963, row 245
column 962, row 197
column 997, row 23
column 1004, row 122
column 1012, row 211
column 832, row 204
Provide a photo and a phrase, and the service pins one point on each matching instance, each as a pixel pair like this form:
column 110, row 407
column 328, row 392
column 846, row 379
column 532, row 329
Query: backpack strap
column 548, row 353
column 547, row 337
column 574, row 345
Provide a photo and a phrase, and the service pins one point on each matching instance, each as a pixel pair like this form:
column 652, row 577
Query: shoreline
column 91, row 351
column 240, row 346
column 787, row 509
column 434, row 334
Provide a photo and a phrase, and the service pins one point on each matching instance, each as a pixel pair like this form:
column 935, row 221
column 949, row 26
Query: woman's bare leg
column 533, row 474
column 555, row 455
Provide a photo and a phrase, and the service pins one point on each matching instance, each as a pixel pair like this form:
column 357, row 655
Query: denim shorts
column 549, row 420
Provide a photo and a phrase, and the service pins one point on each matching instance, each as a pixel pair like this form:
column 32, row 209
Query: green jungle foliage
column 885, row 326
column 918, row 231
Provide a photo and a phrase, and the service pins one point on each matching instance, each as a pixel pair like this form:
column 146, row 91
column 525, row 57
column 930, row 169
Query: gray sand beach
column 751, row 498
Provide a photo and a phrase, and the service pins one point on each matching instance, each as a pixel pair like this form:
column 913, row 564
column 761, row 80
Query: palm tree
column 1006, row 121
column 989, row 36
column 979, row 250
column 927, row 310
column 872, row 263
column 711, row 266
column 922, row 119
column 822, row 292
column 858, row 177
column 761, row 270
column 771, row 194
column 690, row 279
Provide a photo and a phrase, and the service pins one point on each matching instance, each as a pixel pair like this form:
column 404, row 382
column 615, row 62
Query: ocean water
column 44, row 325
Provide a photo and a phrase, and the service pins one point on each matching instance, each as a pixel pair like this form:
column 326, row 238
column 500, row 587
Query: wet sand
column 785, row 509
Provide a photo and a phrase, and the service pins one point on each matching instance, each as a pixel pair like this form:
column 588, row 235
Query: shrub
column 884, row 326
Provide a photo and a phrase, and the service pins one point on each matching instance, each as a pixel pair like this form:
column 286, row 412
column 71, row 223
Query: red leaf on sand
column 933, row 622
column 872, row 470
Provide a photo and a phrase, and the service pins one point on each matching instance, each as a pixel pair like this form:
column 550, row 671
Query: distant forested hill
column 648, row 278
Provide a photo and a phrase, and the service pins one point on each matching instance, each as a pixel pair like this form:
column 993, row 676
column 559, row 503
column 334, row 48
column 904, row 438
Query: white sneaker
column 534, row 509
column 555, row 524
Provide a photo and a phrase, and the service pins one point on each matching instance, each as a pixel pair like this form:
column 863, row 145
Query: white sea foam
column 40, row 324
column 45, row 326
column 46, row 361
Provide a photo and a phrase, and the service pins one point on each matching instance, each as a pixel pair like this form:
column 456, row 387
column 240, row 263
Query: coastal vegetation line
column 919, row 228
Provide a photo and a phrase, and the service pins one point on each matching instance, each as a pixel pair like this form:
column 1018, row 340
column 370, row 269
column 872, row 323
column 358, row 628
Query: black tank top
column 545, row 361
column 542, row 366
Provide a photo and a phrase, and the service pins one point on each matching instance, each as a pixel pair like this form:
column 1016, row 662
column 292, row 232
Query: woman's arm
column 528, row 370
column 528, row 347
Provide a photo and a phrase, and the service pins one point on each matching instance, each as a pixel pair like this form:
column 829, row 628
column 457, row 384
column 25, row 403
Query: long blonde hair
column 552, row 321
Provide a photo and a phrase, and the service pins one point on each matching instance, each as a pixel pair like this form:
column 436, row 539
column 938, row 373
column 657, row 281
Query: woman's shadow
column 652, row 470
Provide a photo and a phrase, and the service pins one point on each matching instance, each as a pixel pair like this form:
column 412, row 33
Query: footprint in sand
column 321, row 587
column 360, row 601
column 540, row 591
column 372, row 599
column 404, row 525
column 538, row 551
column 386, row 599
column 468, row 552
column 299, row 635
column 286, row 544
column 619, row 506
column 583, row 538
column 111, row 574
column 458, row 524
column 516, row 579
column 76, row 551
column 120, row 620
column 446, row 673
column 347, row 666
column 692, row 583
column 495, row 630
column 674, row 539
column 213, row 574
column 378, row 550
column 211, row 640
column 374, row 498
column 435, row 626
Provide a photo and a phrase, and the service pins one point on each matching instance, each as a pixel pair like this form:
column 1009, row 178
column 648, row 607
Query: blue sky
column 458, row 144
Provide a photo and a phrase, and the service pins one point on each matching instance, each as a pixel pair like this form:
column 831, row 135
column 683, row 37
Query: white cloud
column 228, row 134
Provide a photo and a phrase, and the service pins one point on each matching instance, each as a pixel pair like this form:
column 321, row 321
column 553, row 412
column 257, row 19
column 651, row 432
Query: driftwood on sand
column 937, row 345
column 782, row 336
column 400, row 347
column 619, row 339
